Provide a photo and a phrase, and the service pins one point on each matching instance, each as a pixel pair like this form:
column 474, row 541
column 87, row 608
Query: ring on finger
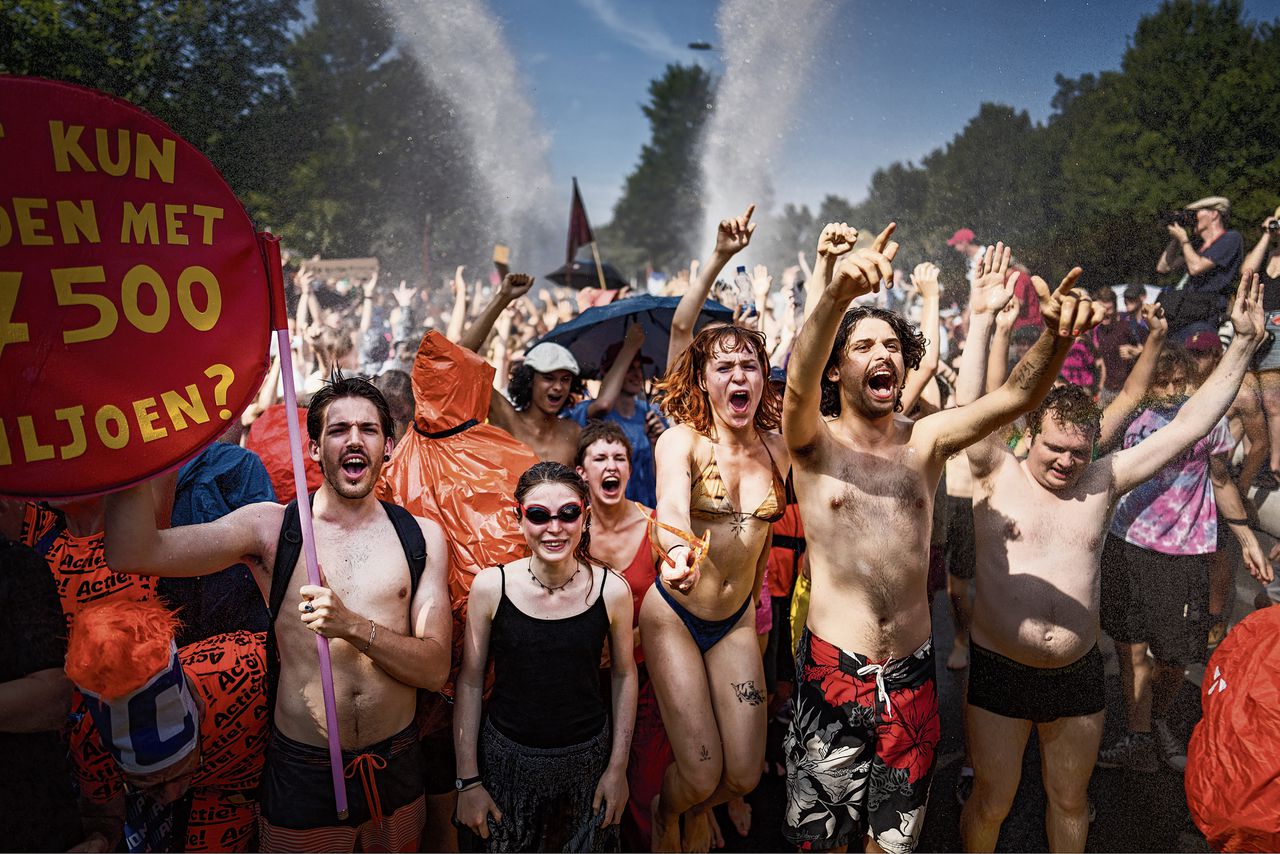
column 309, row 608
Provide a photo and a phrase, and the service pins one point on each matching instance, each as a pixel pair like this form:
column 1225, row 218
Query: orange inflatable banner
column 134, row 299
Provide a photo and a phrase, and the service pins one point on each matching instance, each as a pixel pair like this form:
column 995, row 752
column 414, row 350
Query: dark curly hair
column 912, row 341
column 680, row 391
column 521, row 389
column 339, row 386
column 1071, row 406
column 599, row 430
column 553, row 472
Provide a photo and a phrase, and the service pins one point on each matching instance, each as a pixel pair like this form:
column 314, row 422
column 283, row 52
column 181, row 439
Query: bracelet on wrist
column 373, row 630
column 1234, row 521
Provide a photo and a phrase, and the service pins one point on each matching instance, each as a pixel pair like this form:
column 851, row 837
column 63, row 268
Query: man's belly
column 1038, row 621
column 877, row 611
column 371, row 705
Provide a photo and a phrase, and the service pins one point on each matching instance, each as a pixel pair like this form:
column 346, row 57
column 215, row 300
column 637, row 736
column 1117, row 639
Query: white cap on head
column 548, row 357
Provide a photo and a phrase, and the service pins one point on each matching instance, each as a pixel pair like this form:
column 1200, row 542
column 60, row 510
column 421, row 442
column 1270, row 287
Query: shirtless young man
column 540, row 388
column 860, row 751
column 386, row 641
column 1040, row 526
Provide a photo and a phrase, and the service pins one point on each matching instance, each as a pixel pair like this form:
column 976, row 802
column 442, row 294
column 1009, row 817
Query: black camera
column 1182, row 217
column 1273, row 226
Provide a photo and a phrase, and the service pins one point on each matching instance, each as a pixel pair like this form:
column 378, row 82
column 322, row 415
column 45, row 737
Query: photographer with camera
column 1264, row 259
column 1211, row 254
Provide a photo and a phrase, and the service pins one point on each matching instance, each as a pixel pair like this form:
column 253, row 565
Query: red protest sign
column 133, row 296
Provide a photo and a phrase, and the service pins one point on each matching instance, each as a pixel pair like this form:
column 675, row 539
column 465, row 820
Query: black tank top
column 1270, row 292
column 546, row 688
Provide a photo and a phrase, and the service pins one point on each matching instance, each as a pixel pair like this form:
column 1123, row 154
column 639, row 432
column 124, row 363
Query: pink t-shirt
column 1174, row 512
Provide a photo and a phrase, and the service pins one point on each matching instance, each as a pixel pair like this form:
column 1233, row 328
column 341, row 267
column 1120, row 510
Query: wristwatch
column 465, row 782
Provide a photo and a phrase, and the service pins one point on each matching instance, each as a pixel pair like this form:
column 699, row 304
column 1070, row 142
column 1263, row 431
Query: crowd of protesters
column 594, row 622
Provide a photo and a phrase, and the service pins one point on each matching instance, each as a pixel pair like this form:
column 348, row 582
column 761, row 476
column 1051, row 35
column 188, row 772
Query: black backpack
column 288, row 549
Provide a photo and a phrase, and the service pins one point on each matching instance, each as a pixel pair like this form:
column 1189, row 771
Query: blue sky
column 890, row 80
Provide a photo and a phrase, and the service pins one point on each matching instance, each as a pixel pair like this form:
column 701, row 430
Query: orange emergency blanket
column 1233, row 760
column 269, row 439
column 455, row 469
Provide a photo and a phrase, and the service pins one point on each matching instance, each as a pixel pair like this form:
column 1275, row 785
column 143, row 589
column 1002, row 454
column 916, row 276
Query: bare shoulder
column 778, row 450
column 486, row 589
column 260, row 523
column 618, row 596
column 432, row 533
column 680, row 438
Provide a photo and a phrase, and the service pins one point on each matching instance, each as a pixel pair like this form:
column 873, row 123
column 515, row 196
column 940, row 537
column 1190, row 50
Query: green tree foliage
column 660, row 210
column 1193, row 111
column 211, row 69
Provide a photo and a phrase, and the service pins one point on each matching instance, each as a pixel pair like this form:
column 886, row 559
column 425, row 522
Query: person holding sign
column 384, row 601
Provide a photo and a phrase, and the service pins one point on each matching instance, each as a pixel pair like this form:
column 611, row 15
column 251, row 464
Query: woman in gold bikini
column 719, row 473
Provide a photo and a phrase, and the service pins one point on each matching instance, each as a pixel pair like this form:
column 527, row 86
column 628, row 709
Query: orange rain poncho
column 269, row 439
column 455, row 469
column 1233, row 760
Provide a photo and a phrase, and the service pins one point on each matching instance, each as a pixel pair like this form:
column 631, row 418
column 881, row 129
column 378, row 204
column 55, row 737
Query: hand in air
column 370, row 285
column 734, row 235
column 1067, row 310
column 861, row 272
column 1008, row 315
column 1247, row 317
column 634, row 337
column 515, row 285
column 992, row 281
column 404, row 294
column 925, row 279
column 1177, row 232
column 836, row 239
column 1157, row 323
column 761, row 283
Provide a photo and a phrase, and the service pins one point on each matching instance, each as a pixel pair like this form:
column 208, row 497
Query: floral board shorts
column 860, row 749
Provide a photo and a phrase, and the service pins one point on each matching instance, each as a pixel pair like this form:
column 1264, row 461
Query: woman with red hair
column 719, row 475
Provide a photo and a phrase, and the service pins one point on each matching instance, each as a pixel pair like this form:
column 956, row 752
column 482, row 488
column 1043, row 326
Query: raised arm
column 611, row 385
column 836, row 239
column 732, row 236
column 458, row 316
column 1067, row 312
column 1258, row 254
column 859, row 273
column 925, row 278
column 514, row 286
column 989, row 296
column 135, row 545
column 1117, row 413
column 1206, row 407
column 366, row 305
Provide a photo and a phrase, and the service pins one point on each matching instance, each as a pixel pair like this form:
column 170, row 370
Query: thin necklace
column 558, row 587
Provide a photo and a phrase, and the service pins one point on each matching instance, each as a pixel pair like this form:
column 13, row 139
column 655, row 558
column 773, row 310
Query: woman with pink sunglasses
column 544, row 767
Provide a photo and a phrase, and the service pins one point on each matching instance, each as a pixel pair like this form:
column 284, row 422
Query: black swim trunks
column 860, row 750
column 1040, row 694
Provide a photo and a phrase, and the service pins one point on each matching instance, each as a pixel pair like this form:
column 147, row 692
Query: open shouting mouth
column 611, row 486
column 882, row 383
column 740, row 402
column 355, row 465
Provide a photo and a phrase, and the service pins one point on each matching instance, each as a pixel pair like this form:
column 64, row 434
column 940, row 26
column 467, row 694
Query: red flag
column 579, row 229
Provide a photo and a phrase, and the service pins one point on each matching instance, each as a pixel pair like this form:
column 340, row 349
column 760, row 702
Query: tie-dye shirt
column 1174, row 512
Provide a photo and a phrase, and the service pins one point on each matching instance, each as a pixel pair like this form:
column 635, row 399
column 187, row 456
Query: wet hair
column 600, row 430
column 911, row 339
column 1071, row 406
column 553, row 472
column 339, row 386
column 521, row 389
column 680, row 390
column 1104, row 295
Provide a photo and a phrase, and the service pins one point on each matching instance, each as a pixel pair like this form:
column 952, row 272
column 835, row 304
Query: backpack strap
column 411, row 540
column 288, row 548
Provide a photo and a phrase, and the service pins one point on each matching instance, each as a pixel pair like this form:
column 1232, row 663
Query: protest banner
column 134, row 300
column 353, row 270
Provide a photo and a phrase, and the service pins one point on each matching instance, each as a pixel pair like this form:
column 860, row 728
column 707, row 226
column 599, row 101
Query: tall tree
column 660, row 209
column 208, row 69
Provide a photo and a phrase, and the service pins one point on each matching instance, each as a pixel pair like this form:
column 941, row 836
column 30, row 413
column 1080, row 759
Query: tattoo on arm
column 747, row 692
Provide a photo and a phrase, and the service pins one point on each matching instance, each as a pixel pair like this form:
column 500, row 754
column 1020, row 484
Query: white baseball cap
column 548, row 357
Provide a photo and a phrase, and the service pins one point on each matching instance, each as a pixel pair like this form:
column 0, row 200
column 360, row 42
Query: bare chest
column 868, row 494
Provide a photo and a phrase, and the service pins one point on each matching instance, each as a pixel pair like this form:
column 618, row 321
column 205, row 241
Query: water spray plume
column 767, row 49
column 460, row 46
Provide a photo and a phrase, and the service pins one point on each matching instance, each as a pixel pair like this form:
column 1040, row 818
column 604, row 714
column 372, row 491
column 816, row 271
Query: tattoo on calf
column 704, row 755
column 747, row 692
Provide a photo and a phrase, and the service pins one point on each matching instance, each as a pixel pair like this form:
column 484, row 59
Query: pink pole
column 271, row 251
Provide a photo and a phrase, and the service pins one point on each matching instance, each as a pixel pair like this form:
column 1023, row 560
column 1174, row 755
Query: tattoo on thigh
column 704, row 755
column 747, row 692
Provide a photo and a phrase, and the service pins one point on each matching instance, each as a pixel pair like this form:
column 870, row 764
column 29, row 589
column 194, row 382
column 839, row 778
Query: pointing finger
column 1069, row 281
column 882, row 239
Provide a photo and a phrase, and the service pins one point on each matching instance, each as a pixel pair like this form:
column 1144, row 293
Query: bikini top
column 710, row 497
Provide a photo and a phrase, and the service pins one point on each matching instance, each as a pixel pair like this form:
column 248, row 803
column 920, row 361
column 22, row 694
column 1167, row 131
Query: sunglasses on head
column 539, row 515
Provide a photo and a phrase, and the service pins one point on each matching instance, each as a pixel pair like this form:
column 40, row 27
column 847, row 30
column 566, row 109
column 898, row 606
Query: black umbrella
column 589, row 334
column 584, row 276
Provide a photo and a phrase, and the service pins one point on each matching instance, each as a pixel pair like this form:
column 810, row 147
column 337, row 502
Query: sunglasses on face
column 539, row 515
